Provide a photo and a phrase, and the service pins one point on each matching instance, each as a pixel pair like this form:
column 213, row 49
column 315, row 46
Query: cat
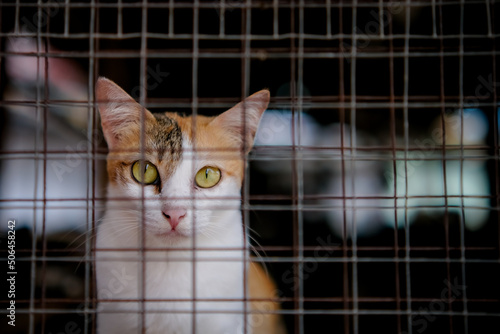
column 172, row 255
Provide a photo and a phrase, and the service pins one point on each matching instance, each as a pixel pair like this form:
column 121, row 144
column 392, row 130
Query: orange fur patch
column 162, row 146
column 262, row 287
column 213, row 142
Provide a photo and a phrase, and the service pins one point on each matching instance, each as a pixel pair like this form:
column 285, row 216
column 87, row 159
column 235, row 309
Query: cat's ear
column 243, row 119
column 120, row 113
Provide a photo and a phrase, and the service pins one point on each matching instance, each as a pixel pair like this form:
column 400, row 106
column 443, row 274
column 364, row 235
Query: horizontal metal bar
column 269, row 259
column 283, row 311
column 244, row 5
column 257, row 54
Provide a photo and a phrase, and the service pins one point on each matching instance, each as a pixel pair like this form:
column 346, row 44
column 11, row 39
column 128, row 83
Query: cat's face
column 176, row 175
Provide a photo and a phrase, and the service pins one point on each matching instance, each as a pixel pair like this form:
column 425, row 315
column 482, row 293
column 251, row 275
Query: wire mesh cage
column 372, row 192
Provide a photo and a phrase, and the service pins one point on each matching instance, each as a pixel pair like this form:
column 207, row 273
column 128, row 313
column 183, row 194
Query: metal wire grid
column 347, row 46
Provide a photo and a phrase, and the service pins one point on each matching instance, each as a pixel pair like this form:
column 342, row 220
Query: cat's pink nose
column 174, row 216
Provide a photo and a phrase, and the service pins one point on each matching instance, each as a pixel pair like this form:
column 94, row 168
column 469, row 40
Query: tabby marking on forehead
column 163, row 148
column 166, row 138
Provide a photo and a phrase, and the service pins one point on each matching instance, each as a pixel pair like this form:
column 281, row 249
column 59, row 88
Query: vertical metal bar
column 275, row 19
column 496, row 134
column 328, row 19
column 245, row 90
column 488, row 17
column 392, row 110
column 462, row 214
column 194, row 106
column 45, row 87
column 345, row 237
column 16, row 19
column 67, row 14
column 355, row 294
column 293, row 92
column 119, row 21
column 43, row 48
column 142, row 100
column 94, row 28
column 299, row 162
column 406, row 150
column 36, row 180
column 434, row 28
column 34, row 228
column 222, row 18
column 444, row 160
column 246, row 45
column 171, row 18
column 381, row 18
column 91, row 165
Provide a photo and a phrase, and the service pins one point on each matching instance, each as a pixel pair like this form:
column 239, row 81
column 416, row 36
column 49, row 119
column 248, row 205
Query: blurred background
column 373, row 188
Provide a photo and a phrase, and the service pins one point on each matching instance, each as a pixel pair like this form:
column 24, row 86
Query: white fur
column 212, row 221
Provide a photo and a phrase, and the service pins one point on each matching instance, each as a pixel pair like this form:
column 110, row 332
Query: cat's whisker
column 254, row 249
column 211, row 232
column 127, row 226
column 81, row 235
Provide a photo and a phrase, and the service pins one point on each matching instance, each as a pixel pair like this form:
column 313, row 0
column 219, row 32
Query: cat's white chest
column 171, row 291
column 215, row 298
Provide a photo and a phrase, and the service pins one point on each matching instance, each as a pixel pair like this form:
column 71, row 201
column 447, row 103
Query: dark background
column 435, row 71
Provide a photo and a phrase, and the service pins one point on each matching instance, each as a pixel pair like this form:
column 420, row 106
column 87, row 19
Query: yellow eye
column 144, row 172
column 207, row 177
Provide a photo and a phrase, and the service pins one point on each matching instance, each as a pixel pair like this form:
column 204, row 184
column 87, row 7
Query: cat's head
column 175, row 174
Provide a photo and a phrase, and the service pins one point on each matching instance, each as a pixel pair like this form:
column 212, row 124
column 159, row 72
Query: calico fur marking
column 122, row 120
column 212, row 142
column 178, row 147
column 228, row 136
column 167, row 137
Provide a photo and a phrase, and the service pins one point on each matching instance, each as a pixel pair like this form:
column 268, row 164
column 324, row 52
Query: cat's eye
column 207, row 177
column 144, row 172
